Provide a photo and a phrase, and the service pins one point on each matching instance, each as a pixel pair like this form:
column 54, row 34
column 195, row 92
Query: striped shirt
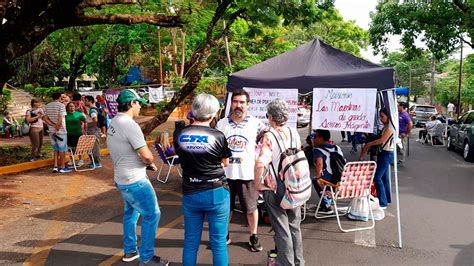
column 56, row 111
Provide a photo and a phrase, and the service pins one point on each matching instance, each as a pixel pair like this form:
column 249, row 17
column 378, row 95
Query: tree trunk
column 198, row 60
column 74, row 67
column 175, row 51
column 183, row 40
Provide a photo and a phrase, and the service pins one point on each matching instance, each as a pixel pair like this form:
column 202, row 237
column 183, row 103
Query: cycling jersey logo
column 194, row 142
column 193, row 139
column 237, row 143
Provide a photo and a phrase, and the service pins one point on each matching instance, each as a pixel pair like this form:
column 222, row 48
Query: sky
column 358, row 10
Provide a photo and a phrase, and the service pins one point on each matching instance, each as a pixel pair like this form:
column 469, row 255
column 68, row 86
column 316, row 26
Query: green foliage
column 447, row 88
column 438, row 23
column 419, row 65
column 47, row 92
column 29, row 88
column 5, row 98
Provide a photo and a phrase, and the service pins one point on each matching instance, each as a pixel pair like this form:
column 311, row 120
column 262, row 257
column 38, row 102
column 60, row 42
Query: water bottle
column 272, row 259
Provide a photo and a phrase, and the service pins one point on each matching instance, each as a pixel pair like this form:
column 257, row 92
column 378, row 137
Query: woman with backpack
column 285, row 221
column 384, row 158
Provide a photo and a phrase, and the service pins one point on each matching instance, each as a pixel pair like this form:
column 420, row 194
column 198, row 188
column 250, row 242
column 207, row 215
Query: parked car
column 304, row 116
column 461, row 135
column 421, row 113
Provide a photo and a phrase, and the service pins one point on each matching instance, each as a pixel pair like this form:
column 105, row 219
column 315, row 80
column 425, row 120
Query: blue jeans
column 326, row 202
column 139, row 199
column 215, row 204
column 381, row 177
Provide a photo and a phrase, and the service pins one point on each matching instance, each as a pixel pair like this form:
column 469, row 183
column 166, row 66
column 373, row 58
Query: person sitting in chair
column 430, row 127
column 11, row 125
column 321, row 156
column 163, row 140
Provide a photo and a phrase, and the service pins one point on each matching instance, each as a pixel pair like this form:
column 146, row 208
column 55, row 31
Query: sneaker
column 55, row 169
column 79, row 163
column 33, row 159
column 155, row 261
column 129, row 257
column 325, row 210
column 227, row 239
column 383, row 208
column 254, row 244
column 97, row 165
column 65, row 170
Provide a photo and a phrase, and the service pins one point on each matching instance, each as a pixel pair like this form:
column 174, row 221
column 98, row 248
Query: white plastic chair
column 355, row 182
column 84, row 147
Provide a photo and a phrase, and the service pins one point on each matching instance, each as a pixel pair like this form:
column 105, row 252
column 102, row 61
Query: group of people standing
column 65, row 121
column 233, row 159
column 219, row 164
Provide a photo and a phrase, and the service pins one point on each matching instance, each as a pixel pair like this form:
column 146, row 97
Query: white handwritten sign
column 259, row 98
column 344, row 109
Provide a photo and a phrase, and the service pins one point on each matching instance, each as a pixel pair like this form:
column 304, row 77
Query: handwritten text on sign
column 344, row 109
column 259, row 98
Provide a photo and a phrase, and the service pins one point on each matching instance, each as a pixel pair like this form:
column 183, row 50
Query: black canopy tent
column 313, row 65
column 319, row 65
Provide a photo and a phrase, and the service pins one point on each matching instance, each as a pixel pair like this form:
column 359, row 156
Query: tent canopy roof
column 313, row 65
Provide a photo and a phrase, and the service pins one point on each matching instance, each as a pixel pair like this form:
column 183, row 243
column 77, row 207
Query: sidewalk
column 25, row 141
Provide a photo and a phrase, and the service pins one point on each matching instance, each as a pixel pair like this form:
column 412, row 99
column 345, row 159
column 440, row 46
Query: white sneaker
column 70, row 163
column 79, row 163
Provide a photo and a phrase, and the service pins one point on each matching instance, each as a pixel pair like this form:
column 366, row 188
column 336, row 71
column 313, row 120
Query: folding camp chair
column 168, row 160
column 355, row 182
column 85, row 145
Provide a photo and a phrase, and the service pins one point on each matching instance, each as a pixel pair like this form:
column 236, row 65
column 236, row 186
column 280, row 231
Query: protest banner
column 111, row 99
column 259, row 98
column 344, row 109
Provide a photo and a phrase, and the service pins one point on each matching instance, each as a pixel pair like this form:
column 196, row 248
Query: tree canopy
column 440, row 24
column 257, row 30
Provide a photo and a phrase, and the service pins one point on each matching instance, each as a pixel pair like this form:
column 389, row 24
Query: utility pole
column 433, row 64
column 458, row 109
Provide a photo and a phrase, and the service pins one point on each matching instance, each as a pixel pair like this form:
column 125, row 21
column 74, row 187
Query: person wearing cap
column 131, row 157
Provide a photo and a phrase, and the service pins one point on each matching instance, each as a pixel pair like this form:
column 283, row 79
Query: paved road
column 436, row 210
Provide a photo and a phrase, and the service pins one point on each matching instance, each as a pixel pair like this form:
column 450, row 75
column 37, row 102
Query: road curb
column 21, row 167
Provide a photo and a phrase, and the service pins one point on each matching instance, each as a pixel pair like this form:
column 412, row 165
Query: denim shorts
column 57, row 143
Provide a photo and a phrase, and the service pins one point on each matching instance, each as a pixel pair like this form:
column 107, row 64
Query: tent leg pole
column 395, row 168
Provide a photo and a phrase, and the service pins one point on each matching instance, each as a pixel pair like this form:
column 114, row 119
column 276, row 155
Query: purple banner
column 111, row 98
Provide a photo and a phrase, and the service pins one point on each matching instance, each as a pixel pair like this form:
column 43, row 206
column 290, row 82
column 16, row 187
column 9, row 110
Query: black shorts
column 247, row 193
column 72, row 140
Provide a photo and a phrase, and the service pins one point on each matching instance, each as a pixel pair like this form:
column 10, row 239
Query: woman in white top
column 384, row 158
column 34, row 118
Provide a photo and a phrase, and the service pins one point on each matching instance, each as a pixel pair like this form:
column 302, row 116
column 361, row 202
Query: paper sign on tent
column 344, row 109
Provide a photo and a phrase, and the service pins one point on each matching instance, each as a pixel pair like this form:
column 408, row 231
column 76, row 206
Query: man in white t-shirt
column 241, row 131
column 131, row 157
column 450, row 109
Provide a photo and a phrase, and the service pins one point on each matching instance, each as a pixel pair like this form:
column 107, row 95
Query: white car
column 304, row 116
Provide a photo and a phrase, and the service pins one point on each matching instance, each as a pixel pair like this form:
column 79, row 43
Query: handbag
column 359, row 209
column 25, row 129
